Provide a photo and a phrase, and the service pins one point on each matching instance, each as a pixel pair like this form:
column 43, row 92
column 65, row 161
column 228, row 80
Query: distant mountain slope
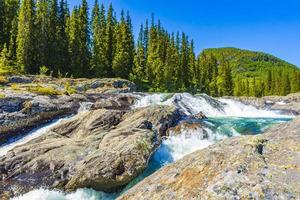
column 249, row 63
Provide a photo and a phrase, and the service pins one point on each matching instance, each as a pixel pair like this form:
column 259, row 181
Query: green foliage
column 44, row 90
column 44, row 70
column 69, row 89
column 44, row 33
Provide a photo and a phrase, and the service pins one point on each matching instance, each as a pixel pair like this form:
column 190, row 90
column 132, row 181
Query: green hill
column 246, row 73
column 250, row 63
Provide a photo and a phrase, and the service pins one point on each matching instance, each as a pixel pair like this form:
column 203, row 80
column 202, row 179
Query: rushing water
column 227, row 118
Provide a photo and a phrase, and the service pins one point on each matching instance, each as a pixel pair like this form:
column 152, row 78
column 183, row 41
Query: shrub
column 43, row 70
column 69, row 89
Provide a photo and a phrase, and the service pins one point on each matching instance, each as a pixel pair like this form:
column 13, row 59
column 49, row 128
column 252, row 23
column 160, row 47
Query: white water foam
column 81, row 194
column 209, row 106
column 238, row 109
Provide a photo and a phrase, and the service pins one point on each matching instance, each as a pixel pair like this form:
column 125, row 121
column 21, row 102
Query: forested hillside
column 45, row 36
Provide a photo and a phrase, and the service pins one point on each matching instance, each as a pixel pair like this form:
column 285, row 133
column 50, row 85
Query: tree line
column 76, row 43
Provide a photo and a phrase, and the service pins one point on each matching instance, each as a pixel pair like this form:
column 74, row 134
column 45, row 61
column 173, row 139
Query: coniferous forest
column 97, row 43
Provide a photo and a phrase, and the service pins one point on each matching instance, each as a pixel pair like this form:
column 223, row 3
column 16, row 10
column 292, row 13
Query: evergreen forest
column 47, row 36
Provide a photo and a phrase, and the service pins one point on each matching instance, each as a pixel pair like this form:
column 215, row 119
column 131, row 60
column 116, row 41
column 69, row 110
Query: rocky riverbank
column 250, row 167
column 110, row 143
column 30, row 101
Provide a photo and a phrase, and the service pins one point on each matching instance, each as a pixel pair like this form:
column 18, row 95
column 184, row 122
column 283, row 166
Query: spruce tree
column 4, row 57
column 79, row 39
column 183, row 64
column 138, row 71
column 41, row 31
column 171, row 70
column 10, row 14
column 73, row 35
column 53, row 38
column 13, row 41
column 2, row 20
column 26, row 51
column 62, row 38
column 110, row 39
column 123, row 58
column 192, row 68
column 99, row 58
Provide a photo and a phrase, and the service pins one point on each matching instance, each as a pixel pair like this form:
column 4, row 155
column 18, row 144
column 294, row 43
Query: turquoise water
column 229, row 126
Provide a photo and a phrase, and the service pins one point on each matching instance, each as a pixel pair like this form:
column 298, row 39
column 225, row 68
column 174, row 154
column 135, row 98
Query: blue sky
column 272, row 26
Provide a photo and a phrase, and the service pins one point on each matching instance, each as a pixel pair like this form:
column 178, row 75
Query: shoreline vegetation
column 47, row 37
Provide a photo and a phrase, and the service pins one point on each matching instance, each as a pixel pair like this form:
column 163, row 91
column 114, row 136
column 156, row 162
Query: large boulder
column 266, row 166
column 103, row 149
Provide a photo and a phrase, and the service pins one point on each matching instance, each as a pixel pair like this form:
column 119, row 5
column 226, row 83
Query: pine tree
column 26, row 51
column 138, row 71
column 110, row 39
column 73, row 35
column 96, row 60
column 41, row 31
column 10, row 14
column 225, row 84
column 102, row 67
column 2, row 20
column 192, row 68
column 172, row 60
column 285, row 85
column 4, row 57
column 53, row 37
column 123, row 58
column 153, row 54
column 13, row 41
column 183, row 64
column 238, row 87
column 62, row 38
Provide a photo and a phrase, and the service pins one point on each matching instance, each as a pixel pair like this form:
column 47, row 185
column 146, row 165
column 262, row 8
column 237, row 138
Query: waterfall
column 211, row 107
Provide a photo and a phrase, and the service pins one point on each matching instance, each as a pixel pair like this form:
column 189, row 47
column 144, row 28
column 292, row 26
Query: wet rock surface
column 22, row 112
column 266, row 166
column 103, row 149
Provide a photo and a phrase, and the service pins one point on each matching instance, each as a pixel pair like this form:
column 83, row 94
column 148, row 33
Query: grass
column 44, row 90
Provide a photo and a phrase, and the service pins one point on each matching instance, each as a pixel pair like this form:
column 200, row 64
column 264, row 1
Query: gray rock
column 21, row 112
column 266, row 166
column 101, row 149
column 20, row 79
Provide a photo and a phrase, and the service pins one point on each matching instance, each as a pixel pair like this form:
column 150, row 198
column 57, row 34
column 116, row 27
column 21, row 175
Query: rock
column 119, row 102
column 189, row 128
column 20, row 79
column 200, row 115
column 20, row 112
column 265, row 166
column 102, row 149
